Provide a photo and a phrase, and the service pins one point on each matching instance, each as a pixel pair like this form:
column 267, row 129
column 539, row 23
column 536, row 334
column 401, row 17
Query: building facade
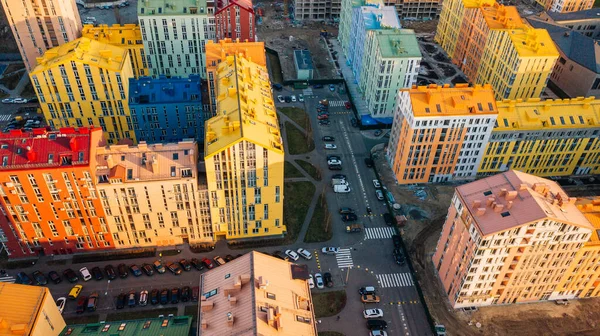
column 317, row 10
column 565, row 6
column 586, row 22
column 174, row 33
column 49, row 200
column 235, row 20
column 244, row 155
column 150, row 194
column 128, row 36
column 472, row 33
column 509, row 238
column 346, row 21
column 167, row 109
column 303, row 64
column 41, row 25
column 545, row 138
column 439, row 133
column 86, row 83
column 215, row 52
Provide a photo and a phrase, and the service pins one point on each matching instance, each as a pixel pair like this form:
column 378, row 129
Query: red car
column 323, row 117
column 209, row 264
column 348, row 105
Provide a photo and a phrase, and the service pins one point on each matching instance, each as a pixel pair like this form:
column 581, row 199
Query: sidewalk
column 359, row 103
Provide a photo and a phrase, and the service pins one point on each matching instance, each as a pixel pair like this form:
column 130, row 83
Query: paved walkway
column 357, row 100
column 16, row 92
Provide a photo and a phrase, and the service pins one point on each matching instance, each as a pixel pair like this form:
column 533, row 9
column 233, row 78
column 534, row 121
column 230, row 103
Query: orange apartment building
column 440, row 132
column 509, row 238
column 48, row 197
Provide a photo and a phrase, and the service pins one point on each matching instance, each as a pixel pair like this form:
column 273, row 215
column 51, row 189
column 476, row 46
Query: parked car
column 143, row 298
column 379, row 194
column 304, row 253
column 154, row 296
column 322, row 116
column 70, row 275
column 131, row 299
column 369, row 162
column 122, row 271
column 349, row 217
column 328, row 279
column 354, row 122
column 280, row 99
column 324, row 122
column 8, row 100
column 277, row 87
column 111, row 274
column 20, row 101
column 197, row 264
column 135, row 270
column 389, row 219
column 81, row 303
column 54, row 277
column 377, row 333
column 97, row 273
column 174, row 268
column 85, row 274
column 317, row 86
column 396, row 241
column 75, row 291
column 208, row 263
column 376, row 324
column 185, row 264
column 292, row 255
column 219, row 261
column 330, row 146
column 175, row 295
column 345, row 211
column 328, row 138
column 330, row 250
column 164, row 296
column 293, row 98
column 148, row 269
column 186, row 292
column 159, row 267
column 121, row 300
column 300, row 98
column 331, row 87
column 373, row 313
column 195, row 293
column 339, row 176
column 319, row 281
column 370, row 298
column 347, row 105
column 376, row 184
column 311, row 281
column 278, row 254
column 229, row 258
column 366, row 290
column 60, row 303
column 287, row 99
column 92, row 302
column 40, row 278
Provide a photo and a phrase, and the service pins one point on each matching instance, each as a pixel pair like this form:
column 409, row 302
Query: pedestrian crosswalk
column 5, row 117
column 10, row 279
column 379, row 232
column 344, row 258
column 394, row 280
column 336, row 103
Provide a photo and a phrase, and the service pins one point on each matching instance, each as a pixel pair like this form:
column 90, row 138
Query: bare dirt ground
column 283, row 36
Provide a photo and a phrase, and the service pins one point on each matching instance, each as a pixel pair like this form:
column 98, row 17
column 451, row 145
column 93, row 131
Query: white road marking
column 379, row 233
column 344, row 258
column 360, row 182
column 395, row 280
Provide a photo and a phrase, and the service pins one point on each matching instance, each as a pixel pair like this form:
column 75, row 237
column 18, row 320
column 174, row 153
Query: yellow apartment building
column 439, row 132
column 86, row 83
column 565, row 6
column 545, row 138
column 128, row 36
column 150, row 194
column 244, row 154
column 215, row 52
column 28, row 310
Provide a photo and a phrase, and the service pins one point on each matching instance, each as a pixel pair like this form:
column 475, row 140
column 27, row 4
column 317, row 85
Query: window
column 211, row 293
column 271, row 296
column 129, row 174
column 303, row 319
column 172, row 171
column 175, row 156
column 505, row 214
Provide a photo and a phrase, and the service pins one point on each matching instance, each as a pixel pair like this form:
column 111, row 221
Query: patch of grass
column 319, row 229
column 291, row 170
column 298, row 115
column 295, row 206
column 298, row 142
column 82, row 319
column 310, row 169
column 330, row 333
column 140, row 314
column 329, row 303
column 191, row 311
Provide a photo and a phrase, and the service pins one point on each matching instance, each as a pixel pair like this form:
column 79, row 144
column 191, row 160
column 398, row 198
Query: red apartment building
column 235, row 20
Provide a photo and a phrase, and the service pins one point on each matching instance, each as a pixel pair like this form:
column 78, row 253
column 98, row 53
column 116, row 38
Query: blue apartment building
column 167, row 109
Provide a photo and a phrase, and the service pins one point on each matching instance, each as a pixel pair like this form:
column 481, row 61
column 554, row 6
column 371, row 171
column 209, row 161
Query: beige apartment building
column 150, row 194
column 509, row 238
column 39, row 25
column 317, row 9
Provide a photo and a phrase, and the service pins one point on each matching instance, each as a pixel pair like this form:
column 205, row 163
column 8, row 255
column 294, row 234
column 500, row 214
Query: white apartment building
column 150, row 194
column 174, row 33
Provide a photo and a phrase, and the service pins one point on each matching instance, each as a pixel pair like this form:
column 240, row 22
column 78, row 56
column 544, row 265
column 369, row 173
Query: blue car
column 331, row 87
column 24, row 279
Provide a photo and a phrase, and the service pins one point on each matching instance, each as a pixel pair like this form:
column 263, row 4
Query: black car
column 154, row 296
column 287, row 99
column 131, row 301
column 317, row 86
column 369, row 162
column 175, row 295
column 338, row 176
column 195, row 293
column 324, row 122
column 40, row 278
column 97, row 273
column 335, row 167
column 54, row 277
column 328, row 279
column 122, row 271
column 186, row 292
column 197, row 264
column 110, row 272
column 399, row 259
column 174, row 268
column 185, row 264
column 229, row 258
column 70, row 275
column 396, row 240
column 349, row 217
column 121, row 300
column 278, row 254
column 354, row 122
column 148, row 269
column 376, row 324
column 164, row 296
column 388, row 219
column 135, row 270
column 328, row 138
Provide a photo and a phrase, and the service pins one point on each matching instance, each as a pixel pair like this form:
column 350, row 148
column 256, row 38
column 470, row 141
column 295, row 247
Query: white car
column 8, row 100
column 143, row 298
column 20, row 100
column 378, row 333
column 330, row 146
column 294, row 99
column 373, row 313
column 280, row 99
column 311, row 282
column 293, row 255
column 60, row 303
column 85, row 274
column 330, row 250
column 300, row 98
column 304, row 253
column 319, row 280
column 379, row 194
column 334, row 162
column 376, row 184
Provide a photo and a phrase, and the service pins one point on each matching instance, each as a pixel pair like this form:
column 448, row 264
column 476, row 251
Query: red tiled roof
column 41, row 148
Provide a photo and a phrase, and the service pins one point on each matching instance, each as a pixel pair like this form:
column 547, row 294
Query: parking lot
column 110, row 16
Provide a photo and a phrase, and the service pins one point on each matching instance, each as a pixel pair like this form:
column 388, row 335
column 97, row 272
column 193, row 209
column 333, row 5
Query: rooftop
column 148, row 90
column 577, row 47
column 502, row 17
column 303, row 59
column 256, row 294
column 246, row 4
column 397, row 43
column 171, row 7
column 536, row 114
column 144, row 162
column 245, row 108
column 593, row 13
column 531, row 42
column 84, row 50
column 512, row 199
column 116, row 34
column 590, row 207
column 460, row 100
column 252, row 51
column 20, row 306
column 477, row 3
column 47, row 149
column 380, row 17
column 161, row 326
